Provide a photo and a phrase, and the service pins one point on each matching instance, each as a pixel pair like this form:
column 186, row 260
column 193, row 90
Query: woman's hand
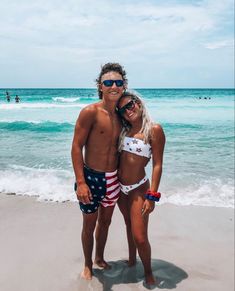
column 148, row 207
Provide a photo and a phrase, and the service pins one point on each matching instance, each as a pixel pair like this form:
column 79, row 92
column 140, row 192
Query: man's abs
column 104, row 161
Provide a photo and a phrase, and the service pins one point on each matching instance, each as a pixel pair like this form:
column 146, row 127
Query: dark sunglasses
column 130, row 106
column 109, row 83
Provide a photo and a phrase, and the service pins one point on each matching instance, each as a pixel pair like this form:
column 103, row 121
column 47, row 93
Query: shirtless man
column 97, row 130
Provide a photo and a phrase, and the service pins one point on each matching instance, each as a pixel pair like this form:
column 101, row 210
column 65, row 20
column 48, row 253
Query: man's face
column 111, row 91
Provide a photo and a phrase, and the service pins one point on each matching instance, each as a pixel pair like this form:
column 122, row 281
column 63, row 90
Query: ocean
column 36, row 136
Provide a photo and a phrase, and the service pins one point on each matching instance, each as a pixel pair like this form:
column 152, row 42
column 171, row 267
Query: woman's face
column 129, row 109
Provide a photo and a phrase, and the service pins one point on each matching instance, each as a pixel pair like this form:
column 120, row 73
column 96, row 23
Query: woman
column 140, row 140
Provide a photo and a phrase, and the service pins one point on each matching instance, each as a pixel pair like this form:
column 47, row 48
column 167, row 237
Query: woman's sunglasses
column 109, row 83
column 130, row 106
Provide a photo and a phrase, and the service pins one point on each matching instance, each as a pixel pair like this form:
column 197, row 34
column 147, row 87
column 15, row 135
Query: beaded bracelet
column 152, row 195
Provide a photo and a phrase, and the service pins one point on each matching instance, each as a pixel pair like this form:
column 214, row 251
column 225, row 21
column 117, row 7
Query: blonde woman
column 140, row 140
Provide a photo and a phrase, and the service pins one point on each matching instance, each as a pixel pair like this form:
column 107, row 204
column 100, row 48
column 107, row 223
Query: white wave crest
column 57, row 185
column 59, row 122
column 66, row 100
column 47, row 185
column 211, row 193
column 38, row 106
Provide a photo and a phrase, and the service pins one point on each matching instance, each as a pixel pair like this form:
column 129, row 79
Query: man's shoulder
column 90, row 109
column 89, row 112
column 93, row 108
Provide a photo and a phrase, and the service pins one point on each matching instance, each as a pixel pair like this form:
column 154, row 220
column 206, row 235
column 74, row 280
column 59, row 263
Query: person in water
column 8, row 97
column 140, row 139
column 17, row 99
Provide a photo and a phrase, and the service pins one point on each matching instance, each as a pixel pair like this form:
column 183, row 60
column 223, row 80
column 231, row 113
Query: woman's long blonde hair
column 147, row 123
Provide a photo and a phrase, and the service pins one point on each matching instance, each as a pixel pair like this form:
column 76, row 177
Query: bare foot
column 150, row 280
column 102, row 264
column 86, row 273
column 130, row 263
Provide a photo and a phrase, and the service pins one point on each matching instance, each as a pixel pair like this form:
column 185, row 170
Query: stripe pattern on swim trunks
column 112, row 189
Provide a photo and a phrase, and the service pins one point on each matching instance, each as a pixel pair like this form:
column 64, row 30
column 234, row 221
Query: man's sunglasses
column 109, row 83
column 130, row 106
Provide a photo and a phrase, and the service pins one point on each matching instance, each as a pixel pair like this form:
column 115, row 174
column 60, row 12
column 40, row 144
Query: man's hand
column 148, row 207
column 83, row 193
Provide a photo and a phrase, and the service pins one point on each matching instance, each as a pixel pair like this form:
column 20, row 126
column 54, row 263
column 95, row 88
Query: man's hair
column 110, row 67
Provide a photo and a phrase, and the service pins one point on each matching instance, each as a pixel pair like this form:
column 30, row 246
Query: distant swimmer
column 8, row 96
column 17, row 99
column 205, row 98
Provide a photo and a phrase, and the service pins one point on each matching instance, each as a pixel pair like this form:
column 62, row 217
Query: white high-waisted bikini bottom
column 126, row 188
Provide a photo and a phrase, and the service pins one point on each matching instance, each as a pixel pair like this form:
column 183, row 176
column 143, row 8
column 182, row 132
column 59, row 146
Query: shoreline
column 40, row 248
column 163, row 202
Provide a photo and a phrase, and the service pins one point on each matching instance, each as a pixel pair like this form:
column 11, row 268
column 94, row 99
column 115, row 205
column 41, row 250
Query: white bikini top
column 136, row 146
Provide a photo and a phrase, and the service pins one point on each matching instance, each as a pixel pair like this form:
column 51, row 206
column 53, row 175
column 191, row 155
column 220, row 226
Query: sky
column 161, row 44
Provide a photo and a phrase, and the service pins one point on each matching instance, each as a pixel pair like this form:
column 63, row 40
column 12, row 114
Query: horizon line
column 136, row 88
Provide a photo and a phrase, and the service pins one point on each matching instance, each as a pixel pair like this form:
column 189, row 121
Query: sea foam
column 57, row 186
column 66, row 100
column 46, row 184
column 38, row 106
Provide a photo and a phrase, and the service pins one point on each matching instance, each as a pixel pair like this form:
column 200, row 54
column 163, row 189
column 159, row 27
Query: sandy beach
column 40, row 248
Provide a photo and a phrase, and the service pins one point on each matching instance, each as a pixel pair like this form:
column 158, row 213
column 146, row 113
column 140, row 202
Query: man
column 8, row 97
column 17, row 99
column 97, row 130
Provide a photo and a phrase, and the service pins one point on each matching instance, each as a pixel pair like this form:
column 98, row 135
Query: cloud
column 79, row 32
column 81, row 20
column 220, row 44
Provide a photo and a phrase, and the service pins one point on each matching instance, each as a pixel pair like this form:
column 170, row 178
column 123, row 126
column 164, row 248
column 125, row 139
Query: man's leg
column 89, row 222
column 101, row 234
column 124, row 208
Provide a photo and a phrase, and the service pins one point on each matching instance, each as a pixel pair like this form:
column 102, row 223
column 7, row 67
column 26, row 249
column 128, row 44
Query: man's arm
column 83, row 127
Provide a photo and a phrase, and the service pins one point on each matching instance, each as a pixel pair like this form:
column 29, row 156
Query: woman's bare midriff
column 132, row 168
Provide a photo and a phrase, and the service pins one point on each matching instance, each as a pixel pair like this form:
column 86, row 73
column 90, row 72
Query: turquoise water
column 36, row 136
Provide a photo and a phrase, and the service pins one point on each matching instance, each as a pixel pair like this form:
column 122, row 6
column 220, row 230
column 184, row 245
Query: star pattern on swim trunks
column 139, row 150
column 135, row 141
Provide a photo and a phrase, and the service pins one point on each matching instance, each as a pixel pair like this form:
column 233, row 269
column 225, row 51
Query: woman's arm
column 157, row 144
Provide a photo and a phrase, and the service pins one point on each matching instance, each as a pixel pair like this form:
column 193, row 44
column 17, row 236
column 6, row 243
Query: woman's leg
column 139, row 225
column 124, row 208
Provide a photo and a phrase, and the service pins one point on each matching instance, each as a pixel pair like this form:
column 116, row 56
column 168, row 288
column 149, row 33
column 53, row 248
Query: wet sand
column 40, row 248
